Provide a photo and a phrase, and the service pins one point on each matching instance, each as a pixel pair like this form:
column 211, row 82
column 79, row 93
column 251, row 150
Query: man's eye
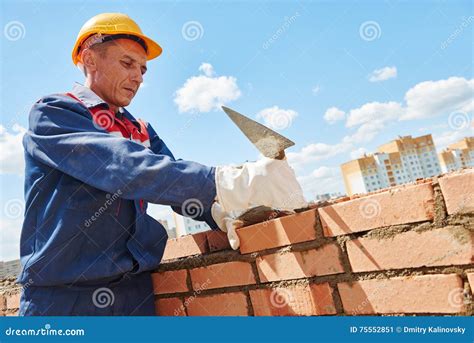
column 126, row 64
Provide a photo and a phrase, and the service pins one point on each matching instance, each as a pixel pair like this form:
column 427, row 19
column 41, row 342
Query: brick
column 13, row 300
column 296, row 265
column 402, row 205
column 12, row 313
column 470, row 278
column 169, row 307
column 304, row 300
column 227, row 304
column 278, row 232
column 186, row 246
column 3, row 303
column 415, row 294
column 222, row 275
column 217, row 240
column 442, row 247
column 458, row 192
column 169, row 282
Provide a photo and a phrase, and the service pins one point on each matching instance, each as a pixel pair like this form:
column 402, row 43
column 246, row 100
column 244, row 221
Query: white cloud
column 315, row 152
column 205, row 93
column 333, row 114
column 277, row 118
column 321, row 180
column 357, row 153
column 432, row 98
column 383, row 74
column 12, row 158
column 375, row 111
column 315, row 90
column 445, row 138
column 207, row 69
column 365, row 133
column 10, row 231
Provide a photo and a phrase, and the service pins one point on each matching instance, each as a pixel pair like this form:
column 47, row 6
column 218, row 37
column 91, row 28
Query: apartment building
column 397, row 162
column 457, row 155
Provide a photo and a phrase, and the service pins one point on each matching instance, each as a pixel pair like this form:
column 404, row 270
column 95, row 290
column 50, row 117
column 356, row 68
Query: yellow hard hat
column 115, row 24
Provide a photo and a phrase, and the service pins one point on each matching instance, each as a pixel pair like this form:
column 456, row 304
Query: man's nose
column 137, row 76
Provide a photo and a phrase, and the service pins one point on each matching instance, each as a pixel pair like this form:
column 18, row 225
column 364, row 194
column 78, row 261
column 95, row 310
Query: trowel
column 270, row 143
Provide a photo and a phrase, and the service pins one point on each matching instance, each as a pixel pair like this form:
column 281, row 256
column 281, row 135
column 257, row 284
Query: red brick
column 304, row 300
column 222, row 275
column 416, row 294
column 186, row 246
column 442, row 247
column 169, row 307
column 397, row 206
column 13, row 300
column 3, row 303
column 295, row 265
column 458, row 192
column 170, row 282
column 470, row 278
column 278, row 232
column 227, row 304
column 11, row 313
column 217, row 240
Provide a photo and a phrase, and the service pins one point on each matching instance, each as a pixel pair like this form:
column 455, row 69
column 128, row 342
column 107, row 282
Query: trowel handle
column 281, row 155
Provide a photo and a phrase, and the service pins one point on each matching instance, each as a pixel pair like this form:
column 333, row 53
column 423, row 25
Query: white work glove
column 267, row 182
column 227, row 223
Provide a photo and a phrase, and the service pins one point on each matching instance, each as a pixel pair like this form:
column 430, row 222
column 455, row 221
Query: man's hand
column 267, row 182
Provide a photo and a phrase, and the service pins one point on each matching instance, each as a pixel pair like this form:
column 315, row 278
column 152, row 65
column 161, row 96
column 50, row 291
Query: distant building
column 188, row 226
column 327, row 196
column 400, row 161
column 170, row 230
column 457, row 155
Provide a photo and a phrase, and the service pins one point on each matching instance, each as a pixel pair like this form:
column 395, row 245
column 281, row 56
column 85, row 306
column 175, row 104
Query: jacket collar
column 88, row 97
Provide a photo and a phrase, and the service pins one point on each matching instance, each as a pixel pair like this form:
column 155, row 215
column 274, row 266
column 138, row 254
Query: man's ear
column 89, row 60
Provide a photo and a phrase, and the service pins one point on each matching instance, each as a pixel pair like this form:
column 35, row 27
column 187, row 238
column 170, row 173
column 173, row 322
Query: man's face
column 119, row 72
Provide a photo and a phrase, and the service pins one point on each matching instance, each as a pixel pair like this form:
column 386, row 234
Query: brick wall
column 404, row 250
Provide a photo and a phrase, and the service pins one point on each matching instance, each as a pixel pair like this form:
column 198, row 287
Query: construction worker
column 87, row 245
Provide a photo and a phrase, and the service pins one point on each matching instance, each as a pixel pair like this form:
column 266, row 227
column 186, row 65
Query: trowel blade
column 270, row 143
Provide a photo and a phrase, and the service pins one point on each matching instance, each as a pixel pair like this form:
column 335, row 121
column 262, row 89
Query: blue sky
column 337, row 78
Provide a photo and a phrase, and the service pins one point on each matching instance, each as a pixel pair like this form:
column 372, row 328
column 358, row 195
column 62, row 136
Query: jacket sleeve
column 62, row 135
column 198, row 213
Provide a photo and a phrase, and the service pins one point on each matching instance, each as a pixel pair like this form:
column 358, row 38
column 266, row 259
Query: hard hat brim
column 154, row 49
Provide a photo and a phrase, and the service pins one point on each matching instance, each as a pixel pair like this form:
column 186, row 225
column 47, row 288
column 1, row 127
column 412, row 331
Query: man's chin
column 125, row 102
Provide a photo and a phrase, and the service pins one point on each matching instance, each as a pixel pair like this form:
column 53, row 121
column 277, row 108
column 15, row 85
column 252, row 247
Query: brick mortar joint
column 203, row 260
column 334, row 279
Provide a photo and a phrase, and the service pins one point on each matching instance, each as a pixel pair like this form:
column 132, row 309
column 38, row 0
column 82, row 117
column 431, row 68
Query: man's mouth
column 131, row 90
